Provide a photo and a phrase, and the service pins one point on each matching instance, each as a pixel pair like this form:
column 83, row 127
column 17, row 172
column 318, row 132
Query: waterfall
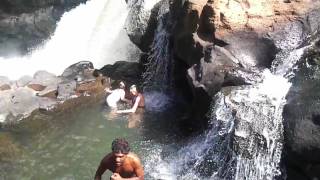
column 92, row 31
column 158, row 74
column 245, row 140
column 215, row 155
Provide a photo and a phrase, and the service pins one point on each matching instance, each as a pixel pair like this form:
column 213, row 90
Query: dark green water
column 70, row 145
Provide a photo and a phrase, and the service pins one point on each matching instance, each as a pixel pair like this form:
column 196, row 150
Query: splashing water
column 245, row 140
column 250, row 118
column 158, row 74
column 92, row 31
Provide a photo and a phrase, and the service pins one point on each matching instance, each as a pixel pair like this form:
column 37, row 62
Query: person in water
column 137, row 101
column 121, row 162
column 137, row 110
column 116, row 95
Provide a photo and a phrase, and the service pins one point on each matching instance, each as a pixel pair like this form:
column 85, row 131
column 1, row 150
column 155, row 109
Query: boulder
column 5, row 87
column 129, row 72
column 188, row 44
column 46, row 92
column 66, row 90
column 258, row 16
column 23, row 81
column 251, row 50
column 17, row 104
column 4, row 83
column 43, row 80
column 142, row 22
column 302, row 119
column 92, row 87
column 80, row 71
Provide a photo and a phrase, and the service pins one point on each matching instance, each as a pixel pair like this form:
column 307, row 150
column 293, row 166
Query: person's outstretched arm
column 108, row 90
column 133, row 109
column 123, row 97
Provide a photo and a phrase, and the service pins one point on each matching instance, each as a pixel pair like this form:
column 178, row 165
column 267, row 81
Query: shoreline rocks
column 48, row 92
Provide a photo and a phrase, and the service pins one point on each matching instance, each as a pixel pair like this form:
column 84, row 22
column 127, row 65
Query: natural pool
column 70, row 145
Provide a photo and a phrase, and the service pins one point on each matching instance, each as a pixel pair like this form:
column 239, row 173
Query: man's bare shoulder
column 134, row 158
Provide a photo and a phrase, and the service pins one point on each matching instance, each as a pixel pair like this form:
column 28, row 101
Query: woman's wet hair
column 122, row 85
column 133, row 86
column 120, row 145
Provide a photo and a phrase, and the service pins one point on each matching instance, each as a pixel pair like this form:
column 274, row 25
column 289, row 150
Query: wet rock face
column 141, row 23
column 251, row 50
column 129, row 72
column 25, row 24
column 229, row 43
column 301, row 118
column 239, row 32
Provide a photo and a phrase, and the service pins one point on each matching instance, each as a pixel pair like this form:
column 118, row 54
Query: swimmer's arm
column 133, row 109
column 101, row 169
column 123, row 98
column 108, row 90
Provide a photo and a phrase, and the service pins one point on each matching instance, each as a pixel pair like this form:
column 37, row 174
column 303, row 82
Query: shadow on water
column 70, row 145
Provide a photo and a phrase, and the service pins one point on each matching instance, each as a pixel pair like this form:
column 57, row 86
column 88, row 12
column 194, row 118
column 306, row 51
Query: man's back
column 114, row 97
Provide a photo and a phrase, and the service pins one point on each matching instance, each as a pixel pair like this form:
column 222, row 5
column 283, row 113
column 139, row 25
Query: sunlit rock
column 80, row 71
column 5, row 87
column 66, row 90
column 142, row 22
column 44, row 80
column 23, row 81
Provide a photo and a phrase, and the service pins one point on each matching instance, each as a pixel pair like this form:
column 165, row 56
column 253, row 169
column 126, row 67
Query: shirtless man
column 123, row 163
column 116, row 95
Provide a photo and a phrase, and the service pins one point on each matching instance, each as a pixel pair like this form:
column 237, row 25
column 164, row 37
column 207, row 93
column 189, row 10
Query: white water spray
column 92, row 31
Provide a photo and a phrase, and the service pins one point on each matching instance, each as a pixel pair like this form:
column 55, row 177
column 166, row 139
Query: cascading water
column 246, row 136
column 92, row 31
column 158, row 75
column 245, row 139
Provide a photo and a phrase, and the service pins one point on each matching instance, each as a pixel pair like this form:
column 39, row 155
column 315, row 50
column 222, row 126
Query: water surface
column 70, row 145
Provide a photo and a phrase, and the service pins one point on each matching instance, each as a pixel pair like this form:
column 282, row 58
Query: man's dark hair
column 120, row 145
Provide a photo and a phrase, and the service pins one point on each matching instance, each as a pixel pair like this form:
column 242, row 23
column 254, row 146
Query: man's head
column 120, row 145
column 120, row 148
column 133, row 89
column 122, row 85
